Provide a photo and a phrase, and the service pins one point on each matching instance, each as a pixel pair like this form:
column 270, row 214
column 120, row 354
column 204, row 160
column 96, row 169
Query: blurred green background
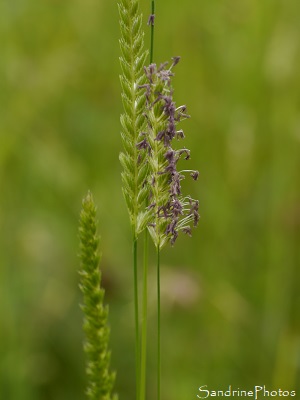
column 231, row 293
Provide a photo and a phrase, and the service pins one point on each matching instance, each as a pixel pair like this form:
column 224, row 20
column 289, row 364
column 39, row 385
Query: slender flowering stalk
column 100, row 379
column 146, row 239
column 151, row 23
column 144, row 320
column 133, row 160
column 158, row 323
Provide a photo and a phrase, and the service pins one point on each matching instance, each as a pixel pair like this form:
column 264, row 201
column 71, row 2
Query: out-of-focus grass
column 231, row 298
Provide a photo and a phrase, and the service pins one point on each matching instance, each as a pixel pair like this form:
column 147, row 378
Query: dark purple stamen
column 175, row 189
column 171, row 227
column 180, row 134
column 187, row 231
column 165, row 75
column 160, row 135
column 195, row 175
column 170, row 156
column 151, row 206
column 174, row 237
column 163, row 211
column 151, row 20
column 176, row 208
column 150, row 71
column 162, row 66
column 186, row 152
column 175, row 60
column 196, row 218
column 194, row 210
column 143, row 144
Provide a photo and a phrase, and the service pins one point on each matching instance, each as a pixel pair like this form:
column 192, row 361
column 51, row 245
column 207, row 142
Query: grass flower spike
column 100, row 379
column 172, row 212
column 133, row 59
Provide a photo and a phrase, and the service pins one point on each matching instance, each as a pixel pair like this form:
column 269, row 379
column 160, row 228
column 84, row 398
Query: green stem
column 136, row 315
column 152, row 33
column 144, row 321
column 158, row 324
column 143, row 365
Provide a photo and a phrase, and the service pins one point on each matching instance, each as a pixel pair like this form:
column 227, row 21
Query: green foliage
column 100, row 379
column 132, row 61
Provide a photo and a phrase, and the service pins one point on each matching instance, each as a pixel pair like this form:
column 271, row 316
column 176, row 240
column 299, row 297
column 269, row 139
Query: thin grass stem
column 158, row 325
column 145, row 272
column 152, row 33
column 136, row 317
column 144, row 320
